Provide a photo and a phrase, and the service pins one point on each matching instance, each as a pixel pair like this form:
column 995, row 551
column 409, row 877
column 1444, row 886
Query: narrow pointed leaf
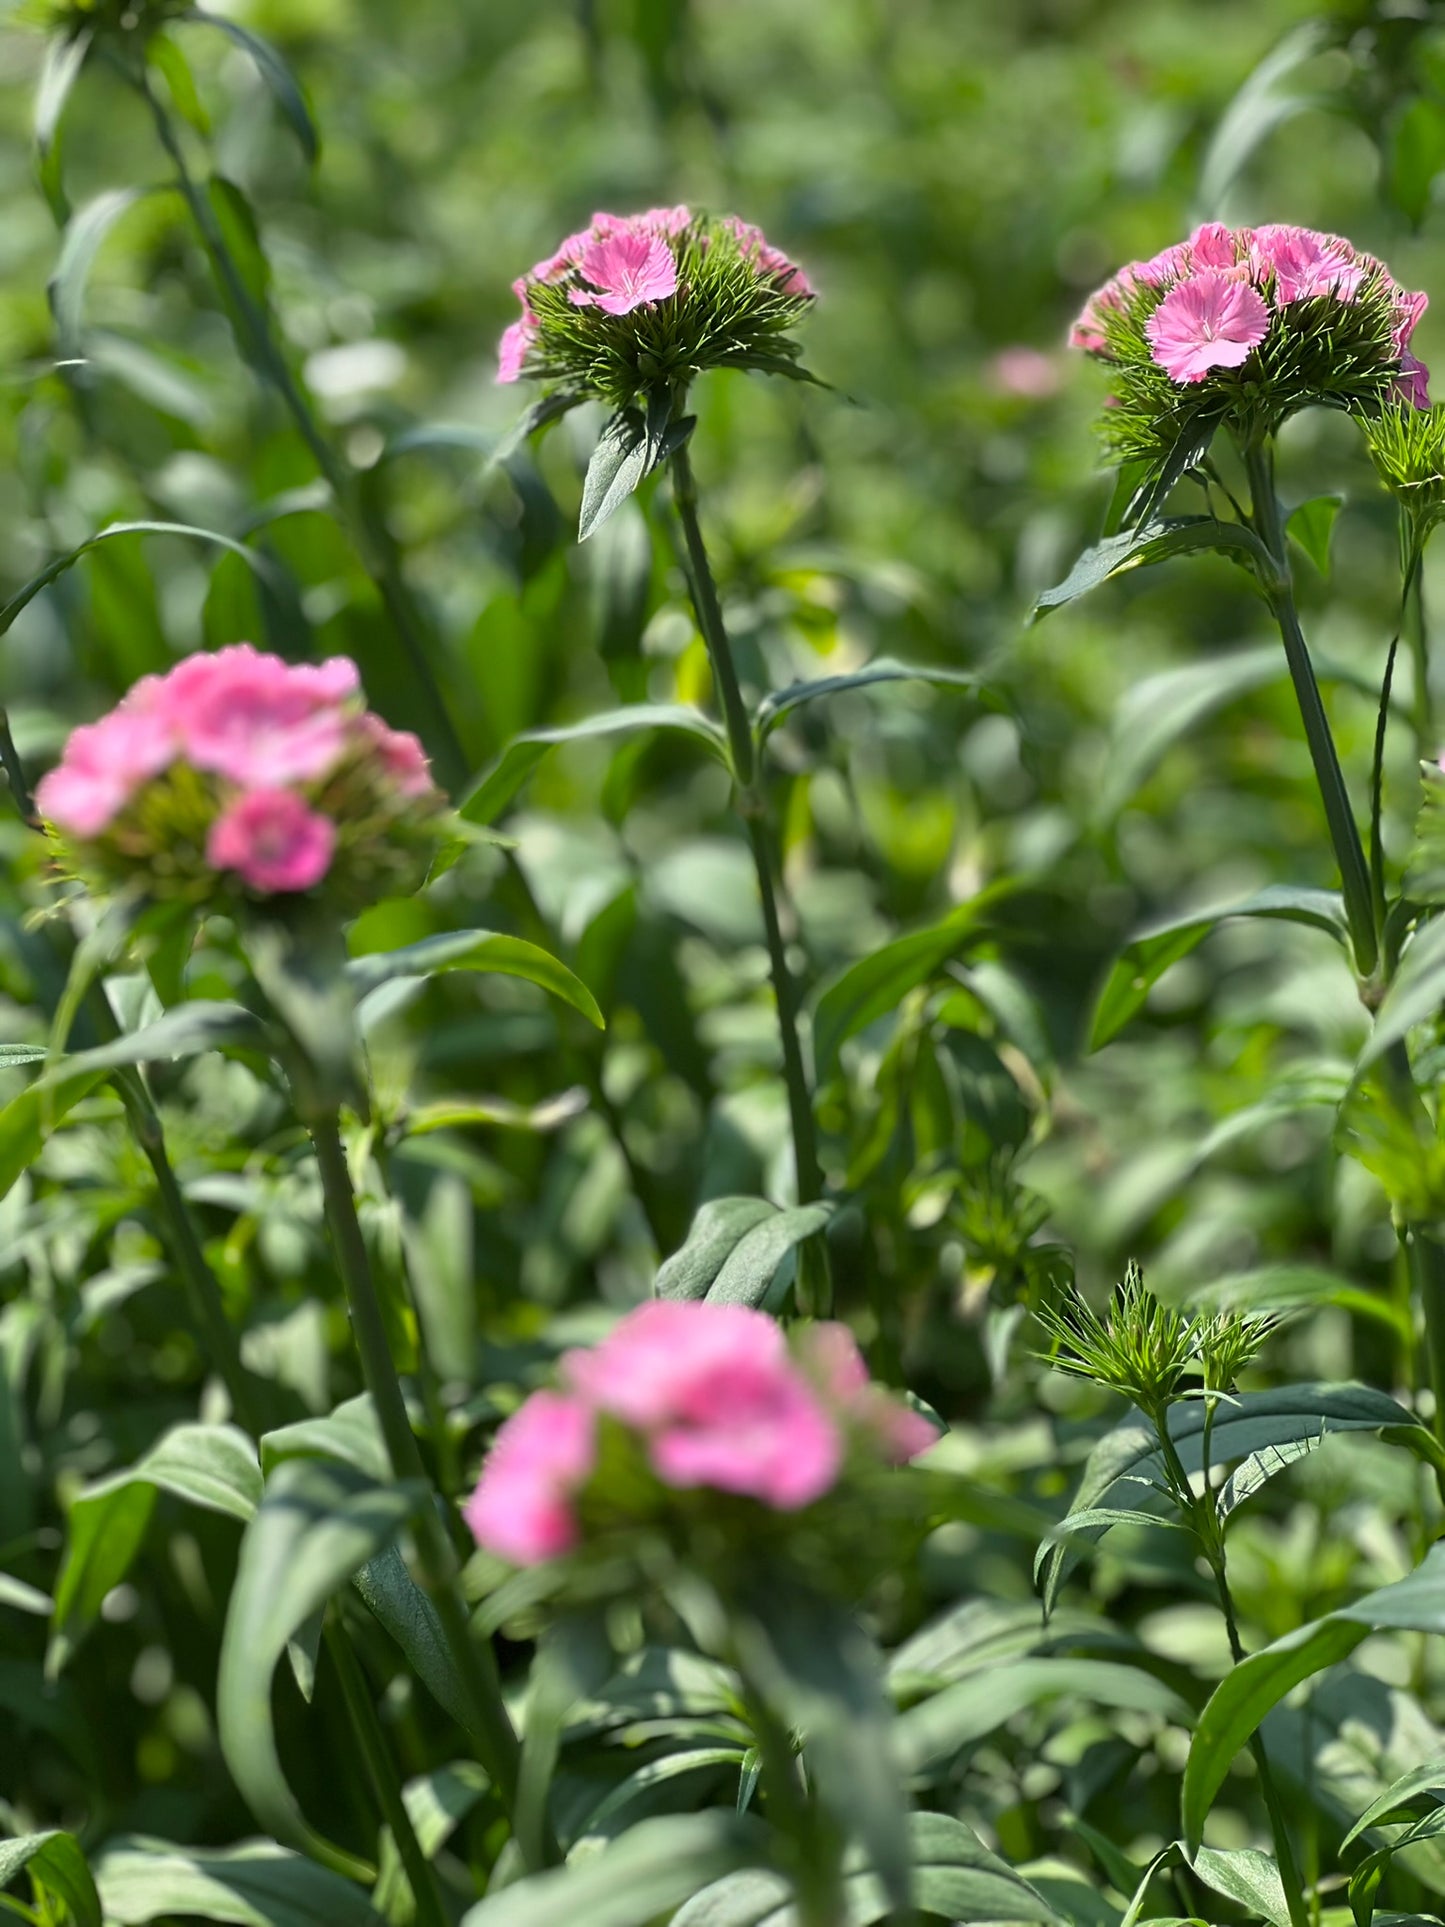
column 273, row 70
column 524, row 753
column 478, row 950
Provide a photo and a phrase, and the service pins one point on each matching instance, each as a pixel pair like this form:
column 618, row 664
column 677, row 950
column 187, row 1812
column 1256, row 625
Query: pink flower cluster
column 259, row 727
column 718, row 1401
column 1222, row 287
column 623, row 262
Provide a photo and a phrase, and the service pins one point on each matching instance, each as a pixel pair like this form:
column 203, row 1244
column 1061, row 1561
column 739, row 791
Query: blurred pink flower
column 105, row 763
column 1025, row 372
column 629, row 268
column 273, row 840
column 512, row 348
column 713, row 1390
column 832, row 1359
column 522, row 1507
column 257, row 720
column 1209, row 321
column 401, row 754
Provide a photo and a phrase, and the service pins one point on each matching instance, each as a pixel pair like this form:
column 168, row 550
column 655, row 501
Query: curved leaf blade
column 522, row 755
column 56, row 1866
column 284, row 86
column 255, row 1885
column 478, row 950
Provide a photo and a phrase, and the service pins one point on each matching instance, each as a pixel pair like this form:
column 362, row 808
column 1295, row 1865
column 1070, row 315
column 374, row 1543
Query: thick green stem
column 752, row 807
column 1427, row 1273
column 373, row 540
column 1201, row 1515
column 1344, row 831
column 1417, row 634
column 497, row 1739
column 381, row 1770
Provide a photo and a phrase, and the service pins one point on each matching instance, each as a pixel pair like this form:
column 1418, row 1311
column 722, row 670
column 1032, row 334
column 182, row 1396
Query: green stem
column 1427, row 1272
column 1412, row 620
column 752, row 807
column 1344, row 831
column 816, row 1871
column 373, row 540
column 1202, row 1516
column 430, row 1907
column 476, row 1667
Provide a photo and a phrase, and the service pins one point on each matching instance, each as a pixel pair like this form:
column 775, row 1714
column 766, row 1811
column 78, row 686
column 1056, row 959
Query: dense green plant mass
column 830, row 983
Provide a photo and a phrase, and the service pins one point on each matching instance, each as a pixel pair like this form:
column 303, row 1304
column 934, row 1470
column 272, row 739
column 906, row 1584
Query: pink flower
column 1167, row 265
column 401, row 755
column 1413, row 384
column 1408, row 308
column 720, row 1402
column 1213, row 246
column 105, row 763
column 257, row 720
column 273, row 840
column 541, row 1457
column 512, row 348
column 1305, row 264
column 630, row 270
column 1209, row 321
column 833, row 1361
column 1024, row 372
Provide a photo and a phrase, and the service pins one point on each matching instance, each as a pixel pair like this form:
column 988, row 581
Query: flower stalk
column 752, row 807
column 496, row 1736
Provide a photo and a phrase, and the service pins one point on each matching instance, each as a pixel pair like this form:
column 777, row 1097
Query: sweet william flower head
column 238, row 779
column 1240, row 327
column 683, row 1414
column 639, row 303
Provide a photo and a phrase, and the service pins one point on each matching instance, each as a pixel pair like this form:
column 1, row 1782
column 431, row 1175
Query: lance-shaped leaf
column 478, row 950
column 318, row 1523
column 53, row 571
column 64, row 57
column 186, row 1030
column 56, row 1867
column 773, row 709
column 1154, row 541
column 1152, row 952
column 524, row 753
column 629, row 448
column 1241, row 1701
column 255, row 1885
column 1413, row 998
column 734, row 1249
column 210, row 1466
column 273, row 70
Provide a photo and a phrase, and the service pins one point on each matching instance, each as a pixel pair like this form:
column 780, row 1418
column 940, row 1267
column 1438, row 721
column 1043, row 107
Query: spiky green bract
column 1320, row 352
column 155, row 847
column 1407, row 446
column 725, row 314
column 1147, row 1350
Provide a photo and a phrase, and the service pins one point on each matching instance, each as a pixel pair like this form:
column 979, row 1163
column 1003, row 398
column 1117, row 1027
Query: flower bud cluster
column 239, row 777
column 707, row 1399
column 634, row 303
column 1248, row 325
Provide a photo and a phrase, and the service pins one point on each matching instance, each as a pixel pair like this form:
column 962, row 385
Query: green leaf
column 85, row 234
column 1414, row 997
column 734, row 1249
column 1269, row 97
column 1416, row 157
column 210, row 1466
column 1241, row 1701
column 351, row 1435
column 524, row 753
column 436, row 1804
column 1242, row 1874
column 162, row 53
column 649, row 1871
column 1125, row 1461
column 60, row 67
column 1401, row 1800
column 398, row 1603
column 877, row 984
column 274, row 71
column 56, row 1867
column 54, row 570
column 955, row 1877
column 1152, row 542
column 1152, row 952
column 1294, row 1287
column 1312, row 524
column 317, row 1524
column 935, row 1731
column 1158, row 711
column 822, row 1676
column 1365, row 1881
column 627, row 451
column 186, row 1030
column 255, row 1885
column 774, row 708
column 479, row 950
column 619, row 1810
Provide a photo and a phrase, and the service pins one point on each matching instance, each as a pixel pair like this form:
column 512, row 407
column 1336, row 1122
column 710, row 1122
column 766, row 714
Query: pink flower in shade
column 402, row 756
column 105, row 763
column 1213, row 246
column 833, row 1361
column 1413, row 385
column 1024, row 372
column 1304, row 264
column 522, row 1508
column 718, row 1399
column 257, row 720
column 629, row 269
column 1209, row 321
column 512, row 348
column 273, row 840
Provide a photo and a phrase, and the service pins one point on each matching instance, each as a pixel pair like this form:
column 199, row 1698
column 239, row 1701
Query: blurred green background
column 955, row 176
